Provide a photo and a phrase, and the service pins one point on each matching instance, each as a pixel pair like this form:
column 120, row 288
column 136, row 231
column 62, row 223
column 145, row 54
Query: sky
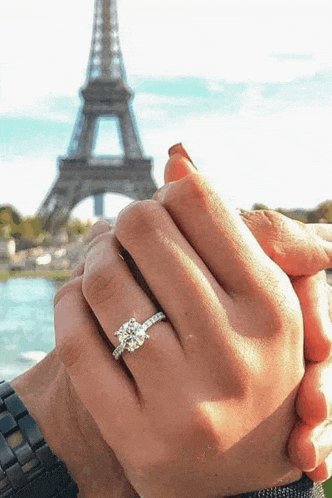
column 245, row 86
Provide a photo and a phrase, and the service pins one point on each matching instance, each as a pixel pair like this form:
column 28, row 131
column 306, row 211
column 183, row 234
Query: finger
column 115, row 297
column 238, row 262
column 165, row 258
column 310, row 449
column 294, row 246
column 314, row 296
column 97, row 229
column 323, row 230
column 322, row 440
column 323, row 472
column 314, row 401
column 178, row 279
column 96, row 376
column 78, row 271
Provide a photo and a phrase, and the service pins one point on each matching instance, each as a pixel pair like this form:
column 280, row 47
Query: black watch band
column 28, row 467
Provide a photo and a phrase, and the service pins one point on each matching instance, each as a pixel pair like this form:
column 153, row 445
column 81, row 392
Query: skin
column 97, row 479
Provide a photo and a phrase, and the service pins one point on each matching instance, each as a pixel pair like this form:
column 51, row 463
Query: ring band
column 133, row 334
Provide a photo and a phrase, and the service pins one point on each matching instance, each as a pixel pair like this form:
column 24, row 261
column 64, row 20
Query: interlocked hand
column 206, row 406
column 299, row 252
column 302, row 251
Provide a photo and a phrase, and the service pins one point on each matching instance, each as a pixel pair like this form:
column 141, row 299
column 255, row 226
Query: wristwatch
column 28, row 467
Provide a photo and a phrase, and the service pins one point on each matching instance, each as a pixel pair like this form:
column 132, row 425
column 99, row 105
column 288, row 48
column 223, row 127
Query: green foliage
column 9, row 220
column 29, row 228
column 259, row 206
column 76, row 227
column 299, row 215
column 13, row 225
column 328, row 488
column 11, row 211
column 326, row 211
column 320, row 214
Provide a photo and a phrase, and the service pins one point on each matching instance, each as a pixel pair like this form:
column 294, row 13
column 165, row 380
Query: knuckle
column 78, row 271
column 138, row 219
column 98, row 285
column 100, row 237
column 193, row 191
column 72, row 286
column 264, row 220
column 278, row 224
column 68, row 336
column 99, row 227
column 195, row 188
column 199, row 190
column 269, row 228
column 284, row 313
column 69, row 349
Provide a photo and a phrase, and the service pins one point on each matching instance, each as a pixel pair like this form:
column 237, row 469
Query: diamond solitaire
column 132, row 334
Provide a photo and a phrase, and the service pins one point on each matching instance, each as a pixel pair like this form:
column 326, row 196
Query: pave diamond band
column 133, row 334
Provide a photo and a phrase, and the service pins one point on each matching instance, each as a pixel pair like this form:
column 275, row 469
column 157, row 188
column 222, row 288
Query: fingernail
column 179, row 149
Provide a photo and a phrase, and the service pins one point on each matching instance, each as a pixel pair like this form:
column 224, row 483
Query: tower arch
column 105, row 94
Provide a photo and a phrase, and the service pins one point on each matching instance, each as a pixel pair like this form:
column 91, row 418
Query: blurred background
column 246, row 86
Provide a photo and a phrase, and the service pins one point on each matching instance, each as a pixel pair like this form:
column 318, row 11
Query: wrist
column 70, row 431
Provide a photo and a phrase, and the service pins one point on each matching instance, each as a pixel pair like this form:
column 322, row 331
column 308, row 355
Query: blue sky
column 246, row 86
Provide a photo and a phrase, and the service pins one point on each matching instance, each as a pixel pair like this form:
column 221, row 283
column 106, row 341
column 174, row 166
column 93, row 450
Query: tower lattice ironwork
column 105, row 94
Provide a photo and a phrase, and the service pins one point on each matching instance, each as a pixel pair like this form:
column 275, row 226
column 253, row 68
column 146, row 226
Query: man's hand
column 69, row 429
column 302, row 251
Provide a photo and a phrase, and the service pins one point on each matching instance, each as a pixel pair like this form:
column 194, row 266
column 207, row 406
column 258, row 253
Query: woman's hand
column 206, row 406
column 302, row 251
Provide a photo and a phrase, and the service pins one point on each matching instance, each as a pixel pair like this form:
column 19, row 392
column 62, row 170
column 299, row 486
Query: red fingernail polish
column 179, row 149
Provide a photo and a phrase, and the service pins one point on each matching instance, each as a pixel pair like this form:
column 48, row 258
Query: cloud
column 245, row 84
column 278, row 159
column 25, row 181
column 292, row 57
column 231, row 41
column 50, row 108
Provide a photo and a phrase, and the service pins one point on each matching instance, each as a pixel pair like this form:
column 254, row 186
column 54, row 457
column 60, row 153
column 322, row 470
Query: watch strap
column 28, row 467
column 303, row 488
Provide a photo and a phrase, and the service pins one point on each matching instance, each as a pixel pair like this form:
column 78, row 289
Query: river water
column 26, row 324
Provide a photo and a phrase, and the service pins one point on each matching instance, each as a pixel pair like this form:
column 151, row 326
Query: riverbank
column 54, row 275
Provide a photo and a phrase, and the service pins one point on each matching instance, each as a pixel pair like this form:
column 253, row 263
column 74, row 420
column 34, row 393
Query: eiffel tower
column 105, row 94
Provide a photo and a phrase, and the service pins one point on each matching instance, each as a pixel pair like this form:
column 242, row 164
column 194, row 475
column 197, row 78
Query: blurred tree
column 326, row 211
column 295, row 214
column 29, row 228
column 9, row 220
column 258, row 206
column 78, row 227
